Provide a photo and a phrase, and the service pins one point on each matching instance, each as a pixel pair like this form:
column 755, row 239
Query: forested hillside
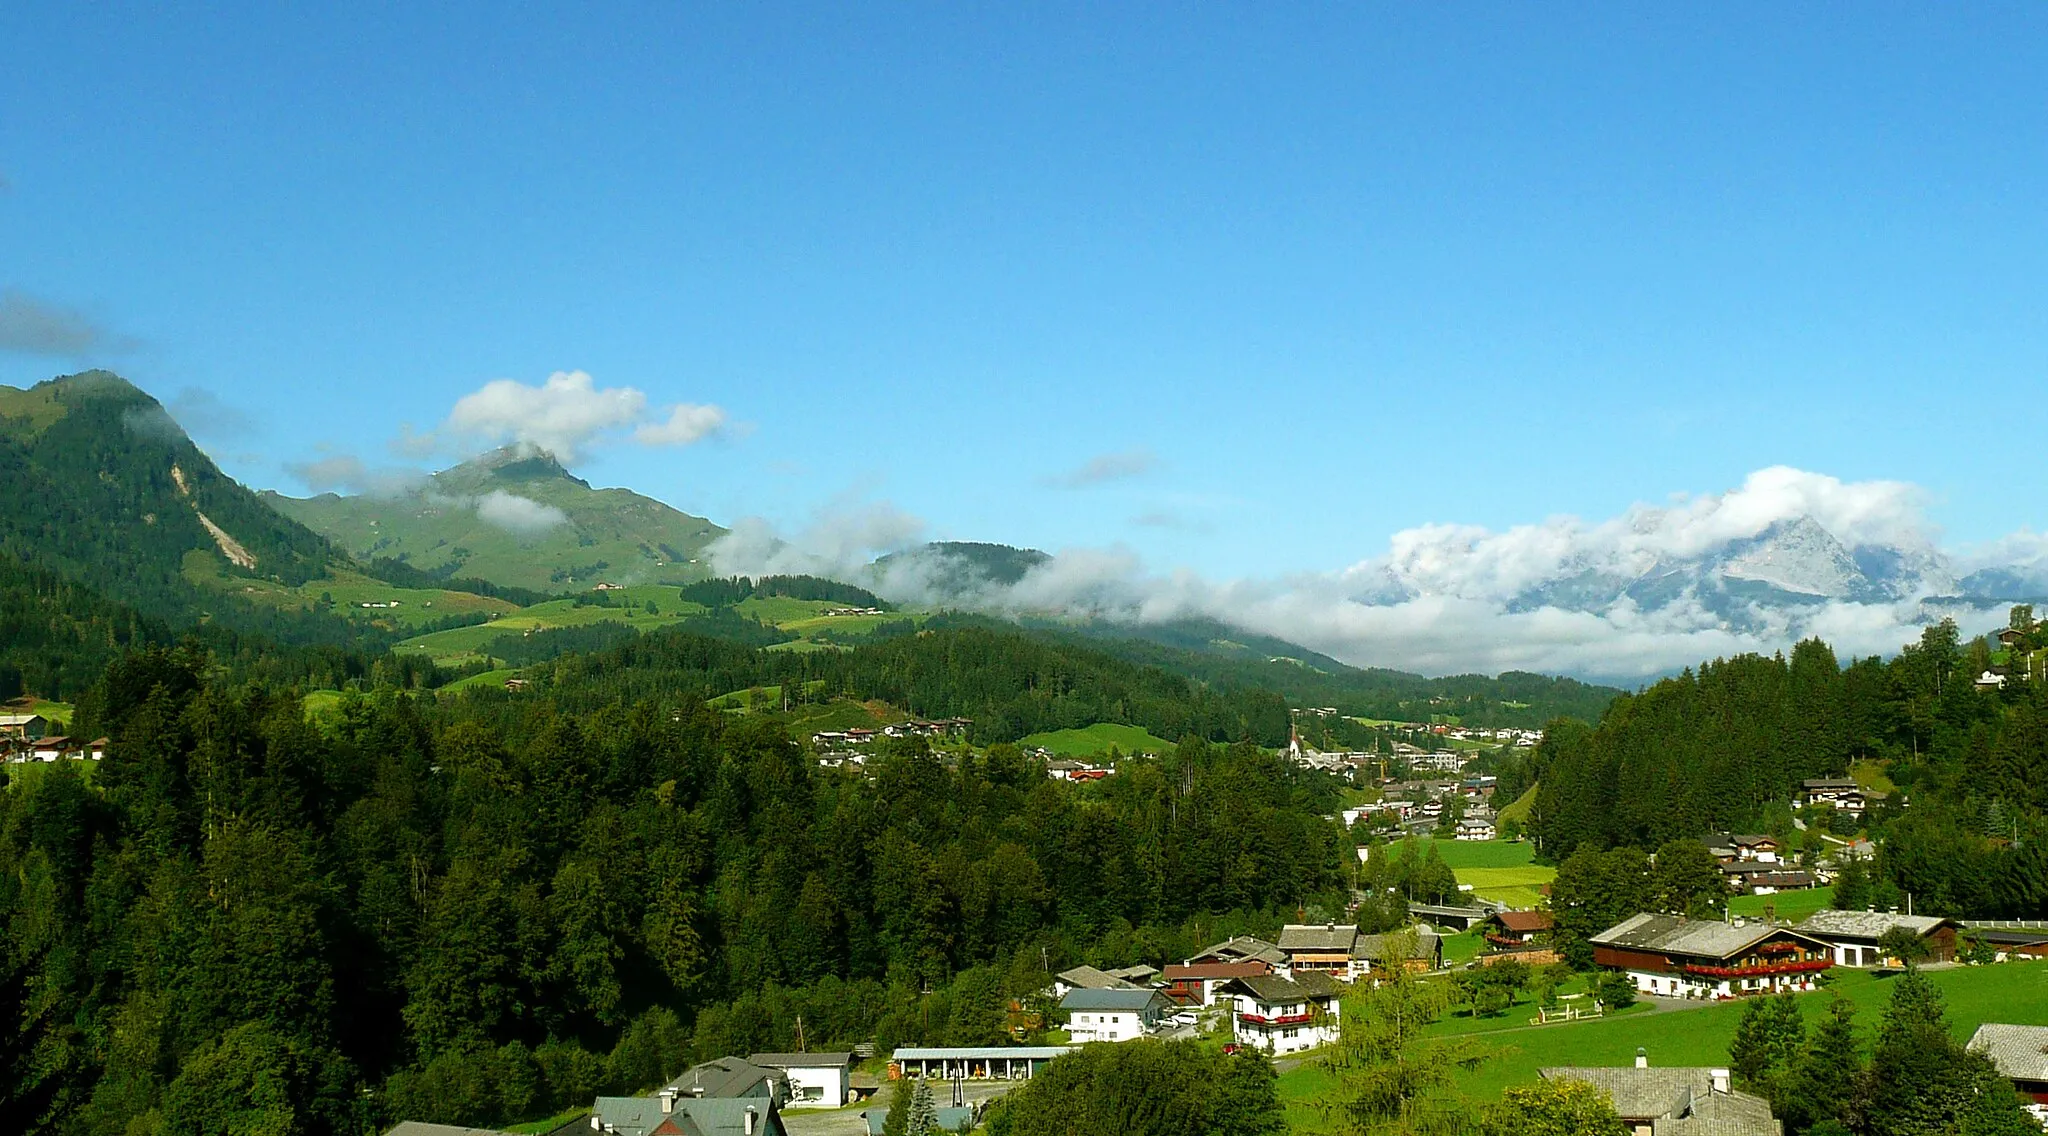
column 476, row 910
column 1726, row 747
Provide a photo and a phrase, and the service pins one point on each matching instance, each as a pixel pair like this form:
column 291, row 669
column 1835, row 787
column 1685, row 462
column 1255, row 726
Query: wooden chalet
column 1674, row 957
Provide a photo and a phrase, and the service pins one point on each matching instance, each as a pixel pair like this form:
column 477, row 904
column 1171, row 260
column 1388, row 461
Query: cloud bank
column 37, row 327
column 1105, row 468
column 518, row 514
column 1786, row 555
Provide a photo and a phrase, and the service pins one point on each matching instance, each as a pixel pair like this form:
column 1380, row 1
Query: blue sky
column 1294, row 282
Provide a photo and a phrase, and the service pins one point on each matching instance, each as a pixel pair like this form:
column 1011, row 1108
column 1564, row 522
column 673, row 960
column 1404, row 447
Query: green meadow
column 1097, row 739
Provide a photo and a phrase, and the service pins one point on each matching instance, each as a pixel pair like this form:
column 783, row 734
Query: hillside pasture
column 1097, row 739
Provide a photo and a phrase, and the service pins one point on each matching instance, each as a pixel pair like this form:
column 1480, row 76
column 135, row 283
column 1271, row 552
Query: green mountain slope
column 104, row 489
column 515, row 517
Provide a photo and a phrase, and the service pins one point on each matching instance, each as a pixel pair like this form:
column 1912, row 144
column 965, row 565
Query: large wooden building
column 1674, row 957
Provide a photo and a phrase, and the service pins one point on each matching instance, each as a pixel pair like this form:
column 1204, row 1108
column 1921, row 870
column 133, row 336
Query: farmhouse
column 1323, row 948
column 23, row 727
column 1689, row 1101
column 1447, row 915
column 1686, row 958
column 2010, row 937
column 1242, row 948
column 666, row 1114
column 1418, row 948
column 1112, row 1015
column 815, row 1080
column 1853, row 935
column 2020, row 1054
column 1087, row 978
column 1513, row 930
column 1284, row 1015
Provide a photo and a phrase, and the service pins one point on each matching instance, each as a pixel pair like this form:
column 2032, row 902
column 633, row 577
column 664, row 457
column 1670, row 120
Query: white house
column 815, row 1080
column 1284, row 1015
column 1112, row 1015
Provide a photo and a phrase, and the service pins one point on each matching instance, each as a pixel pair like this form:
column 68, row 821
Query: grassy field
column 59, row 713
column 1464, row 854
column 1520, row 807
column 1791, row 905
column 487, row 678
column 1871, row 775
column 1097, row 739
column 2009, row 992
column 348, row 591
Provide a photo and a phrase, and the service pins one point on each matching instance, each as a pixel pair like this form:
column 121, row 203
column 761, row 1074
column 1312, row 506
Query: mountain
column 105, row 490
column 515, row 516
column 951, row 571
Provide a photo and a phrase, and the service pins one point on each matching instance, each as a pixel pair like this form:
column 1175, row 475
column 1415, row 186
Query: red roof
column 1526, row 920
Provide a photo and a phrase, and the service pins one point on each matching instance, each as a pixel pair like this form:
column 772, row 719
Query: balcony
column 1276, row 1019
column 1759, row 970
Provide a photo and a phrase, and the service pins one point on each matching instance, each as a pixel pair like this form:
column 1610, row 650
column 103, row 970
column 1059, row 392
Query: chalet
column 2011, row 637
column 1139, row 975
column 729, row 1077
column 1853, row 935
column 1473, row 828
column 1675, row 957
column 1112, row 1015
column 607, row 586
column 1688, row 1101
column 1284, row 1015
column 666, row 1114
column 516, row 684
column 1067, row 769
column 1448, row 915
column 1322, row 948
column 1841, row 792
column 51, row 747
column 2020, row 1054
column 1242, row 948
column 1087, row 978
column 1419, row 948
column 815, row 1080
column 23, row 727
column 1990, row 680
column 1195, row 984
column 1517, row 930
column 1765, row 879
column 974, row 1063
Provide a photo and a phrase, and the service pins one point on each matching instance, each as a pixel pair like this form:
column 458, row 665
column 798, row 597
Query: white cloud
column 518, row 514
column 842, row 538
column 686, row 423
column 346, row 473
column 1555, row 596
column 35, row 326
column 568, row 413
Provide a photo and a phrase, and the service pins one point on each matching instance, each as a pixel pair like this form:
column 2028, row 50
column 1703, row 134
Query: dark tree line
column 480, row 909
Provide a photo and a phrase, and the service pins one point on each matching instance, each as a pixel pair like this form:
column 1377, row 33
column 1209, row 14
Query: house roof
column 1828, row 783
column 417, row 1128
column 1190, row 972
column 1245, row 946
column 724, row 1077
column 1135, row 974
column 801, row 1060
column 627, row 1116
column 2020, row 1052
column 1526, row 920
column 1832, row 924
column 726, row 1117
column 1334, row 938
column 7, row 720
column 1271, row 988
column 1089, row 978
column 1129, row 1001
column 1374, row 947
column 981, row 1053
column 1677, row 1101
column 1676, row 935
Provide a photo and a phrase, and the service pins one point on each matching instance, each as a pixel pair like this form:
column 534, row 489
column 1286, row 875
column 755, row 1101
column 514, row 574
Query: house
column 1139, row 975
column 1067, row 769
column 1476, row 828
column 607, row 586
column 1323, row 948
column 1195, row 984
column 1284, row 1015
column 2020, row 1053
column 23, row 727
column 1241, row 948
column 729, row 1077
column 1675, row 957
column 667, row 1114
column 1517, row 930
column 1449, row 915
column 1676, row 1101
column 1990, row 680
column 2011, row 637
column 1419, row 947
column 1112, row 1015
column 990, row 1063
column 2010, row 937
column 1086, row 978
column 417, row 1128
column 1767, row 880
column 815, row 1080
column 1853, row 935
column 51, row 747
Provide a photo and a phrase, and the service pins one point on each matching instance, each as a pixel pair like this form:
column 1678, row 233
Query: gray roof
column 1829, row 923
column 2020, row 1052
column 1245, row 946
column 1089, row 978
column 1112, row 1001
column 1676, row 935
column 1334, row 938
column 628, row 1116
column 801, row 1060
column 725, row 1077
column 417, row 1128
column 1372, row 947
column 1272, row 988
column 727, row 1117
column 1139, row 973
column 1677, row 1101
